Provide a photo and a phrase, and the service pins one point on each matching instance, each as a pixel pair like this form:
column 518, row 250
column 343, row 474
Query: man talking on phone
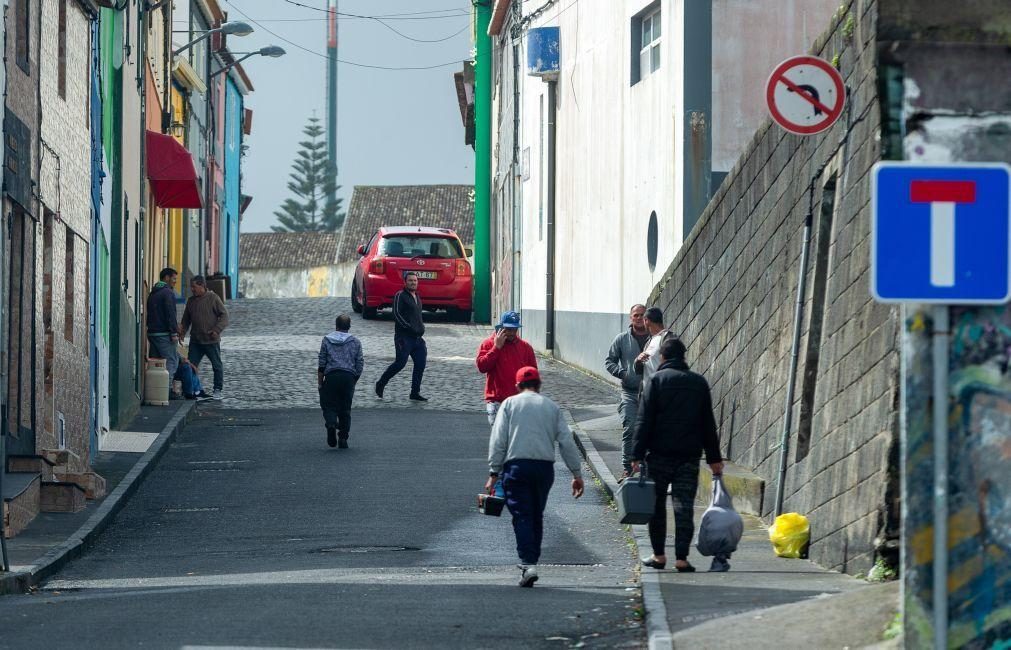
column 499, row 358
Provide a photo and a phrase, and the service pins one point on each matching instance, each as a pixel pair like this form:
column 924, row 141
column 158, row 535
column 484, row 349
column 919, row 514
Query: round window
column 652, row 236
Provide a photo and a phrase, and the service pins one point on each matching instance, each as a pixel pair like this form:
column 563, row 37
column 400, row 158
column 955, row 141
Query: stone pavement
column 758, row 580
column 270, row 351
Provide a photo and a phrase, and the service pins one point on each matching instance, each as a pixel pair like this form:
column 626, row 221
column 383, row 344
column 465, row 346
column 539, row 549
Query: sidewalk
column 764, row 600
column 54, row 539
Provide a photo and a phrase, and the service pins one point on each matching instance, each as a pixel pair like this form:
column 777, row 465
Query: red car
column 445, row 280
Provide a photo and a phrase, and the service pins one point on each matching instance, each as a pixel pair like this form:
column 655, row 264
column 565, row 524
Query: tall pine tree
column 312, row 178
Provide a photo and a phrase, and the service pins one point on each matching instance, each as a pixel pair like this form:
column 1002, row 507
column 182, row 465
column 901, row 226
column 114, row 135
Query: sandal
column 653, row 564
column 685, row 569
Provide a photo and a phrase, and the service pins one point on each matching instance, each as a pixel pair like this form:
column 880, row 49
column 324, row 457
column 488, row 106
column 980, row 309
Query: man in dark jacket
column 340, row 365
column 675, row 425
column 408, row 338
column 207, row 315
column 620, row 363
column 161, row 321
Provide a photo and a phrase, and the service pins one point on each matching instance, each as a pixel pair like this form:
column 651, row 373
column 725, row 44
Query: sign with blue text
column 941, row 234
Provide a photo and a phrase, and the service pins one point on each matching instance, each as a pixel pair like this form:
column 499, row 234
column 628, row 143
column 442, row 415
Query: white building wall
column 619, row 151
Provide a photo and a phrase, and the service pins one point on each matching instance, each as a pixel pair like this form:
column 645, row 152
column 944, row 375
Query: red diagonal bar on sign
column 806, row 95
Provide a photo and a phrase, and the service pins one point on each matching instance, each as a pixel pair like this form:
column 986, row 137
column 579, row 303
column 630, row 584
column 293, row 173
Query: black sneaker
column 342, row 443
column 379, row 390
column 331, row 436
column 418, row 398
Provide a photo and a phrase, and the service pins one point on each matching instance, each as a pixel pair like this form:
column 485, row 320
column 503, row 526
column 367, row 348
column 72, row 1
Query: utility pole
column 331, row 96
column 482, row 167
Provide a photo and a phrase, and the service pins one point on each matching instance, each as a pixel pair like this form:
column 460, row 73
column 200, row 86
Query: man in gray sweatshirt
column 527, row 430
column 340, row 365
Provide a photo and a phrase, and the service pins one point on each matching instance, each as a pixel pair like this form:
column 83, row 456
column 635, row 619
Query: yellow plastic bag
column 789, row 535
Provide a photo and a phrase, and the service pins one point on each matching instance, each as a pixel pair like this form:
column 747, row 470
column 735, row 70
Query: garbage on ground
column 790, row 534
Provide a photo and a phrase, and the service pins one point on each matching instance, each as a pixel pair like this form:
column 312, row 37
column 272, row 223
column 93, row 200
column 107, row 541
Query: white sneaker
column 217, row 395
column 529, row 575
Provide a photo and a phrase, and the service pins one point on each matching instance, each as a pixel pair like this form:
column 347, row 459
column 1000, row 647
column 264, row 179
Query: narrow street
column 252, row 532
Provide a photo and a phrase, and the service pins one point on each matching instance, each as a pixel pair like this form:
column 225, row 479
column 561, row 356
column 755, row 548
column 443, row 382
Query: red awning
column 171, row 172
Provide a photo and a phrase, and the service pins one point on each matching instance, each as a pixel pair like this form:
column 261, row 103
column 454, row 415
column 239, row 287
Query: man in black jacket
column 675, row 426
column 161, row 322
column 408, row 333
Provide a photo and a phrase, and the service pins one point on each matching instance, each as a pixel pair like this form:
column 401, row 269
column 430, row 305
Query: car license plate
column 425, row 275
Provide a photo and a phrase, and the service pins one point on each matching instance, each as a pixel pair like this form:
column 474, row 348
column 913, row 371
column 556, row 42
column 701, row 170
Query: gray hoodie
column 341, row 351
column 528, row 426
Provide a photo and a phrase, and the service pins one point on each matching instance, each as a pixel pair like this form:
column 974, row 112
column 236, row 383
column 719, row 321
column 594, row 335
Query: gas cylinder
column 156, row 383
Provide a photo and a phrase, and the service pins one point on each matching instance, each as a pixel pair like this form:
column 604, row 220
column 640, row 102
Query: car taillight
column 462, row 268
column 378, row 266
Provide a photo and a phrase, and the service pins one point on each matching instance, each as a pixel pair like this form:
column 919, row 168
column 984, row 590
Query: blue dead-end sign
column 941, row 234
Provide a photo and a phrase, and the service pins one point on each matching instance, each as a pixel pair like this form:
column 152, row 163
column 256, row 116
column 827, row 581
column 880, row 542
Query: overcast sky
column 395, row 127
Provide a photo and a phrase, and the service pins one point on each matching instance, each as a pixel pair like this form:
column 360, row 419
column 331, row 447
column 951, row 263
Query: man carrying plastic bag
column 721, row 528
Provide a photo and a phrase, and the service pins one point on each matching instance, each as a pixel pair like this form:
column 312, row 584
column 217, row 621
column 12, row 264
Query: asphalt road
column 252, row 532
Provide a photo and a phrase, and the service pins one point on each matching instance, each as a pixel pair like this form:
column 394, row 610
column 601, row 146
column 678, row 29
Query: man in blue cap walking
column 499, row 358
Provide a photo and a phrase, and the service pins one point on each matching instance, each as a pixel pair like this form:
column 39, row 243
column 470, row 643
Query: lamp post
column 273, row 51
column 231, row 28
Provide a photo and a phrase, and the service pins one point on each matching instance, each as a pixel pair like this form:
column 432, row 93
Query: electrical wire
column 419, row 15
column 351, row 63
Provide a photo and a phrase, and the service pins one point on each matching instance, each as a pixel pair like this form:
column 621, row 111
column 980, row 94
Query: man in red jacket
column 500, row 356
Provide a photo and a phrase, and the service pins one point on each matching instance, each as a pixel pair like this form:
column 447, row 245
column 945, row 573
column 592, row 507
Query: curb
column 657, row 628
column 59, row 556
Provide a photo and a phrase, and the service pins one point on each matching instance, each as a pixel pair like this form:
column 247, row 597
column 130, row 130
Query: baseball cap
column 527, row 373
column 510, row 320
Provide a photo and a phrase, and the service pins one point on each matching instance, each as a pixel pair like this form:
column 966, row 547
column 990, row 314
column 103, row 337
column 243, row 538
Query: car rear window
column 420, row 246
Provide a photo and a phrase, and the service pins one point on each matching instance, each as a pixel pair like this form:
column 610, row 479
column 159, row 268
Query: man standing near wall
column 620, row 362
column 161, row 322
column 499, row 358
column 649, row 359
column 408, row 338
column 208, row 317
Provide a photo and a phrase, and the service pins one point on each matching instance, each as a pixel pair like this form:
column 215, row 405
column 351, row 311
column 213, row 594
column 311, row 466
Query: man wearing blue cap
column 499, row 358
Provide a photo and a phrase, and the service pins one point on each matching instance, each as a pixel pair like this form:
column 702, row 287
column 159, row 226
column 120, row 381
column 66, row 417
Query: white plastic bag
column 722, row 526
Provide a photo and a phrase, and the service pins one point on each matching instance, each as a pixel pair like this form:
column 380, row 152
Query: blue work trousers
column 527, row 483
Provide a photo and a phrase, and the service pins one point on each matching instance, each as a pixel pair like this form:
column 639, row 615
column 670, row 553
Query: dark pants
column 408, row 346
column 335, row 397
column 683, row 478
column 163, row 347
column 213, row 352
column 527, row 483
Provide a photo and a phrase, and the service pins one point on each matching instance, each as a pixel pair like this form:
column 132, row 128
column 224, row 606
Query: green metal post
column 482, row 167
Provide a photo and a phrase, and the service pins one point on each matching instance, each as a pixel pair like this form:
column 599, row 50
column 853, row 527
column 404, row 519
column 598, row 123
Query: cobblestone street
column 270, row 347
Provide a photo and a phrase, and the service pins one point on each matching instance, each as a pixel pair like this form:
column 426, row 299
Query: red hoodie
column 501, row 366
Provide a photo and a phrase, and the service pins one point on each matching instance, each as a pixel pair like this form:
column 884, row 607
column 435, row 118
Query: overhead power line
column 351, row 63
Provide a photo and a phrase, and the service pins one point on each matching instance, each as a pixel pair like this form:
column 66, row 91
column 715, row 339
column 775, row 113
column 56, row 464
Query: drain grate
column 171, row 510
column 365, row 549
column 215, row 469
column 229, row 423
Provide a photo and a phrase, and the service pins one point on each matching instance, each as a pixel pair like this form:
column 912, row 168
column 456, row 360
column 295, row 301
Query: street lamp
column 273, row 51
column 231, row 28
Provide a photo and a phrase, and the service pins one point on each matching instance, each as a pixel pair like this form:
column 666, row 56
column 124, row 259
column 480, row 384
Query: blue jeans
column 189, row 379
column 415, row 348
column 213, row 352
column 163, row 347
column 527, row 483
column 628, row 410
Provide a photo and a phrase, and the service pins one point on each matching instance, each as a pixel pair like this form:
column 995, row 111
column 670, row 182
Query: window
column 21, row 32
column 652, row 241
column 71, row 285
column 646, row 42
column 61, row 51
column 420, row 246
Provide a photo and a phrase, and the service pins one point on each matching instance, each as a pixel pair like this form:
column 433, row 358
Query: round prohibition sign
column 805, row 95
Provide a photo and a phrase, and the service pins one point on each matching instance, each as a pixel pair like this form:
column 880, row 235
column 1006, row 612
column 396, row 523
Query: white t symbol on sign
column 942, row 196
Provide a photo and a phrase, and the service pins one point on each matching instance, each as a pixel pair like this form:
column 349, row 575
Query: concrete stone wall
column 23, row 357
column 730, row 293
column 65, row 183
column 317, row 282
